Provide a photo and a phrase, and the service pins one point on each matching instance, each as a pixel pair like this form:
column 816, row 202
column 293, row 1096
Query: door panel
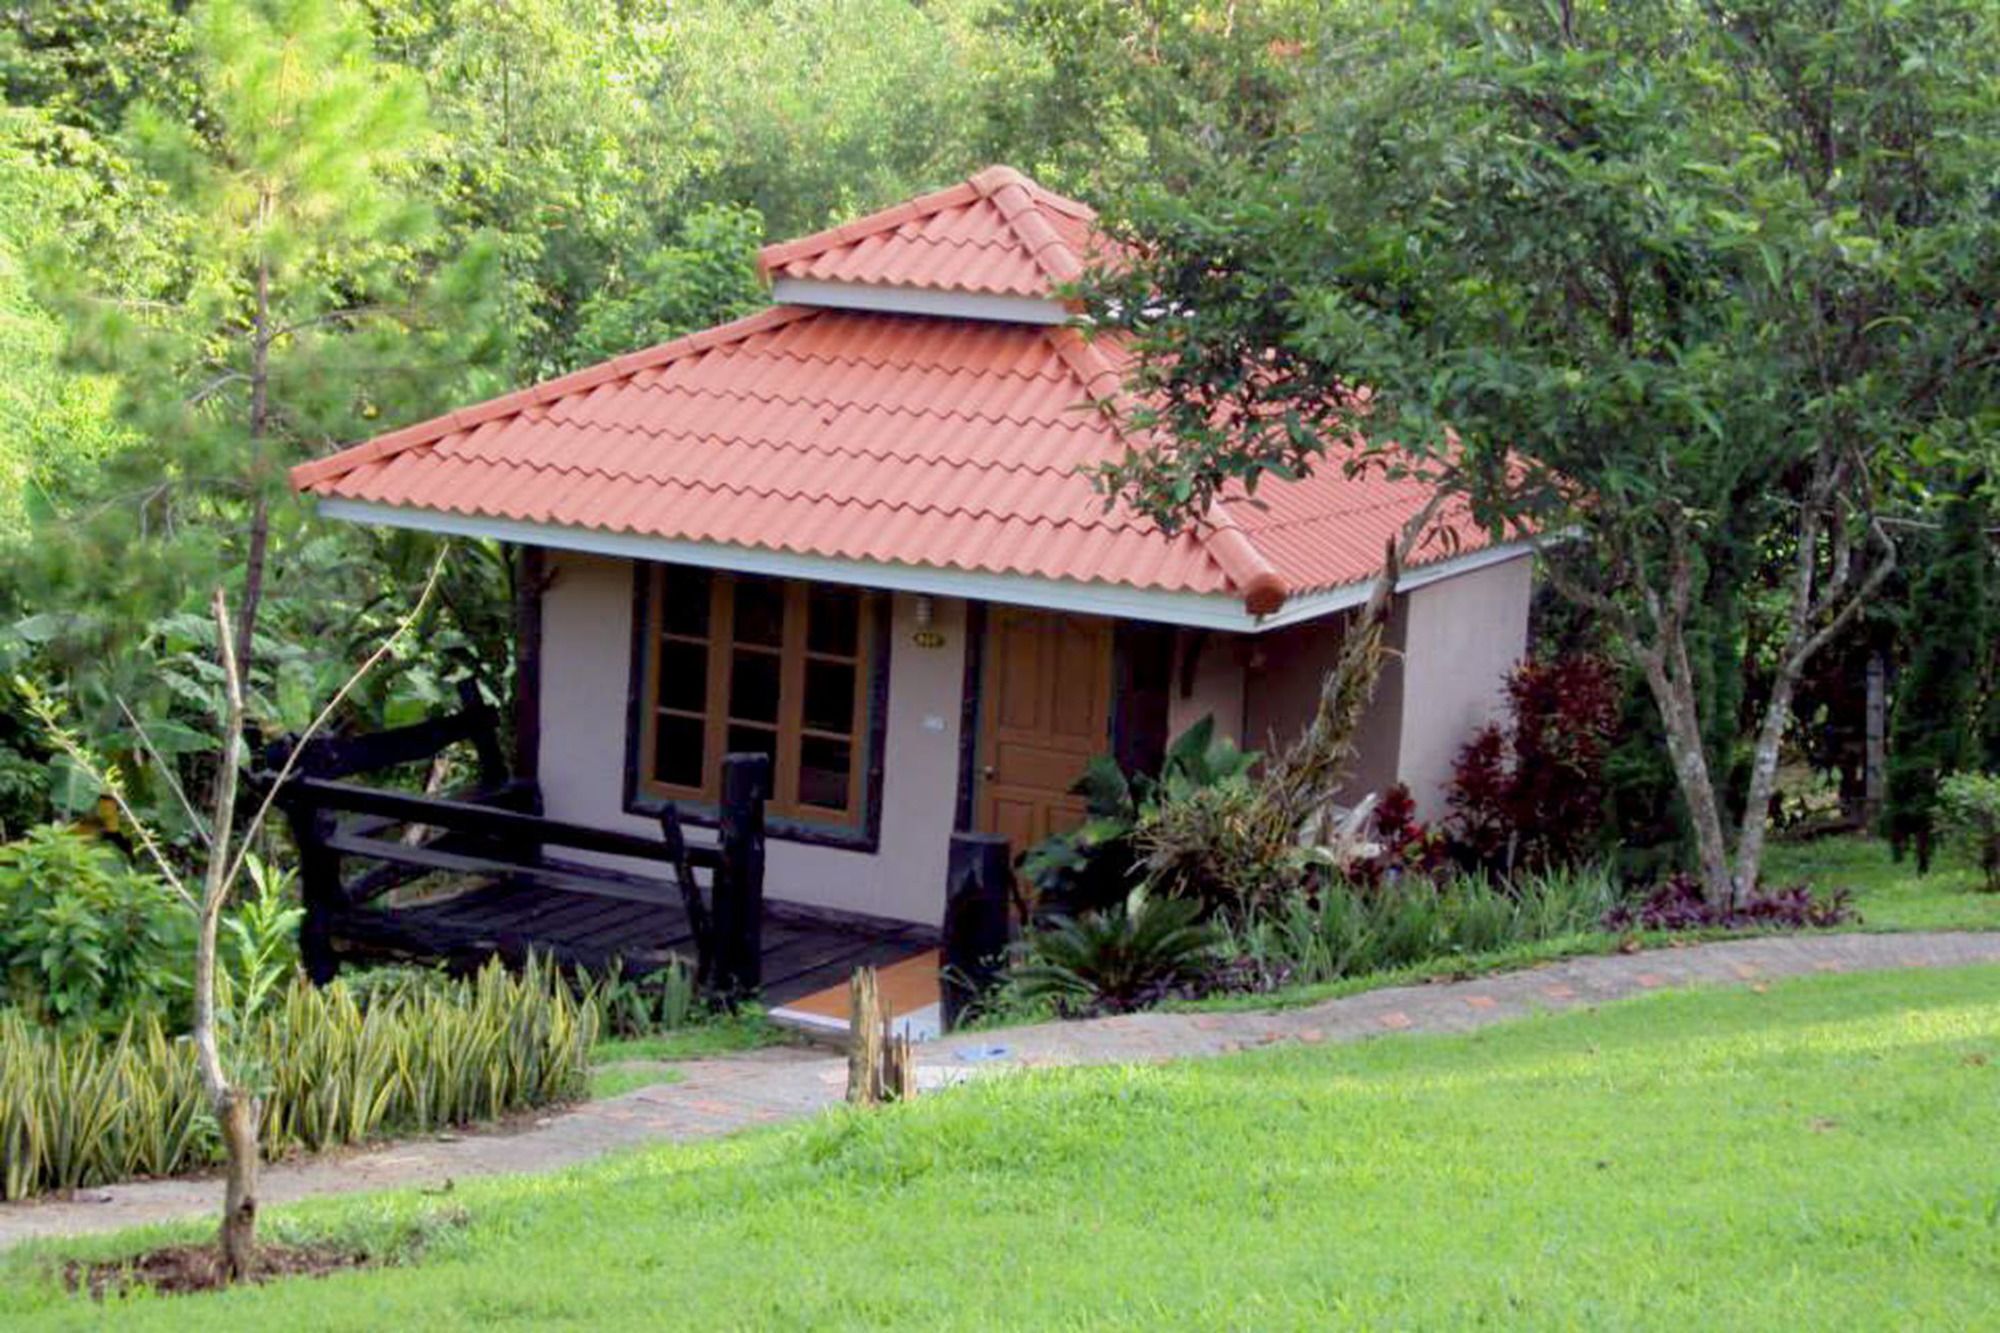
column 1046, row 709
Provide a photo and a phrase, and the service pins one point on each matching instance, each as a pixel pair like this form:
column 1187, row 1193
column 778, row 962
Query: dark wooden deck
column 803, row 950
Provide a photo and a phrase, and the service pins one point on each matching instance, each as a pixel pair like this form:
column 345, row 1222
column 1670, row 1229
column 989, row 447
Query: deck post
column 978, row 920
column 738, row 906
column 320, row 889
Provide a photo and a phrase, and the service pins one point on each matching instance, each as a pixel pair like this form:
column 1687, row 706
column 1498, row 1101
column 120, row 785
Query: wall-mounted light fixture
column 924, row 612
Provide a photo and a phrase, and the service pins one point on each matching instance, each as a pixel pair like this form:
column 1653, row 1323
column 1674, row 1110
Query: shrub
column 84, row 939
column 79, row 1108
column 1093, row 867
column 663, row 1000
column 1342, row 931
column 1968, row 813
column 1534, row 793
column 1678, row 903
column 1127, row 958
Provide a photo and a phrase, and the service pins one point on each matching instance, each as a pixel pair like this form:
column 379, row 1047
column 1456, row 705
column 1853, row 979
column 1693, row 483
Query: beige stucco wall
column 586, row 667
column 1463, row 636
column 1452, row 644
column 1287, row 668
column 1216, row 687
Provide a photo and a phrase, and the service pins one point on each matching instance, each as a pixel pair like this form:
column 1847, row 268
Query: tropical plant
column 261, row 939
column 1969, row 814
column 1092, row 866
column 80, row 1108
column 85, row 940
column 662, row 1000
column 1678, row 903
column 1118, row 960
column 1345, row 930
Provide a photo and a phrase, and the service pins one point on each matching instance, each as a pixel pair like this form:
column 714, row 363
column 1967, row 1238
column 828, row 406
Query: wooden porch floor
column 804, row 951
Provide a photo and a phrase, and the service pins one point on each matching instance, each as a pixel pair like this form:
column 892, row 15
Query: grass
column 727, row 1035
column 1889, row 896
column 615, row 1080
column 1725, row 1159
column 625, row 1064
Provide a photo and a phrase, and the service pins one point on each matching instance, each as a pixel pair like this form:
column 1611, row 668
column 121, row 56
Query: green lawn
column 1890, row 896
column 1805, row 1157
column 624, row 1064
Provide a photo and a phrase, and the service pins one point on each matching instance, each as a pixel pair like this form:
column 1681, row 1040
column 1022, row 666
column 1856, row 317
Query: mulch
column 179, row 1269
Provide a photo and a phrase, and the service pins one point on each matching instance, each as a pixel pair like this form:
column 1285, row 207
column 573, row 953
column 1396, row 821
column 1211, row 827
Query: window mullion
column 721, row 639
column 791, row 698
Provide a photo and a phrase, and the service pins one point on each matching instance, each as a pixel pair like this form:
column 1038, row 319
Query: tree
column 1641, row 272
column 234, row 1101
column 1934, row 732
column 306, row 306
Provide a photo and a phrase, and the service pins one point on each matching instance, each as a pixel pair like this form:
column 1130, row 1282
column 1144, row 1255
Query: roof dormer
column 995, row 246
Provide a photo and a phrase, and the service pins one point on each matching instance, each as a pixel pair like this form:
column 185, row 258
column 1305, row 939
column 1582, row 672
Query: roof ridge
column 383, row 447
column 1014, row 195
column 1228, row 545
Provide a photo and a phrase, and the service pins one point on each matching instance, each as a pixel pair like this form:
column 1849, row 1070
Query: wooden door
column 1045, row 709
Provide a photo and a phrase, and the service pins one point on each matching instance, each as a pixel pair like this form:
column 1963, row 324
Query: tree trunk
column 1764, row 778
column 1875, row 759
column 1673, row 694
column 239, row 1117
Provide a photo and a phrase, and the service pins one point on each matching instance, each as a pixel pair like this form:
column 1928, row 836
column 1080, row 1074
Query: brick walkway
column 762, row 1087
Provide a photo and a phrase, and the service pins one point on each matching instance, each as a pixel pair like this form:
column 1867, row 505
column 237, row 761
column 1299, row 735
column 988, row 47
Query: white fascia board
column 1202, row 610
column 1351, row 595
column 1210, row 611
column 918, row 301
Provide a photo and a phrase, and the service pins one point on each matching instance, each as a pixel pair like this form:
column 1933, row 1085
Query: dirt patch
column 179, row 1269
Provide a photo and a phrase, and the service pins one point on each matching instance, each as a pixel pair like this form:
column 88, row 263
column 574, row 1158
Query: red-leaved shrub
column 1532, row 793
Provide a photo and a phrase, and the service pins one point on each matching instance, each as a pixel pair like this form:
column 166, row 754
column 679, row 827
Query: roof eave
column 1195, row 610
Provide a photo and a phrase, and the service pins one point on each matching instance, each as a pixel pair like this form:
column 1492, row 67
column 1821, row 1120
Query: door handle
column 987, row 772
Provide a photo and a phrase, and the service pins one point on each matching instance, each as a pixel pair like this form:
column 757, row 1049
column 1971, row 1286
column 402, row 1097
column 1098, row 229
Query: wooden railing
column 496, row 831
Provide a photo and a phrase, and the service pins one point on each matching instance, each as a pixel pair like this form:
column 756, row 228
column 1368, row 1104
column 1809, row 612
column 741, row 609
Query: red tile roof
column 997, row 234
column 853, row 434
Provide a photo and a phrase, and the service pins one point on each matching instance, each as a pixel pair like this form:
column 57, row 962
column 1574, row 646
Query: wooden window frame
column 858, row 827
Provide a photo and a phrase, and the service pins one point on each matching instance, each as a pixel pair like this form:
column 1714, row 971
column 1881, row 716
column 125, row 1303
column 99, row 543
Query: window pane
column 760, row 611
column 684, row 601
column 684, row 675
column 677, row 750
column 833, row 621
column 754, row 740
column 753, row 685
column 823, row 768
column 829, row 696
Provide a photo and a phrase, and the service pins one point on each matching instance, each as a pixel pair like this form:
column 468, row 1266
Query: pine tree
column 1934, row 731
column 307, row 302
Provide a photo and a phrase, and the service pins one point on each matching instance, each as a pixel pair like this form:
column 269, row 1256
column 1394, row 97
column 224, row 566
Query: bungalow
column 848, row 532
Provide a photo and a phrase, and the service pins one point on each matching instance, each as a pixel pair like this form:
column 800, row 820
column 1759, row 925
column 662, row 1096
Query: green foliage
column 1969, row 815
column 1092, row 866
column 1686, row 280
column 703, row 275
column 259, row 943
column 1802, row 1156
column 663, row 1000
column 80, row 1108
column 1115, row 961
column 1934, row 730
column 86, row 941
column 1340, row 932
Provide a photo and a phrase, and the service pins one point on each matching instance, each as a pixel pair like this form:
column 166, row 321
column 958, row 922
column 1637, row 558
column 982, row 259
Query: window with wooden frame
column 738, row 663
